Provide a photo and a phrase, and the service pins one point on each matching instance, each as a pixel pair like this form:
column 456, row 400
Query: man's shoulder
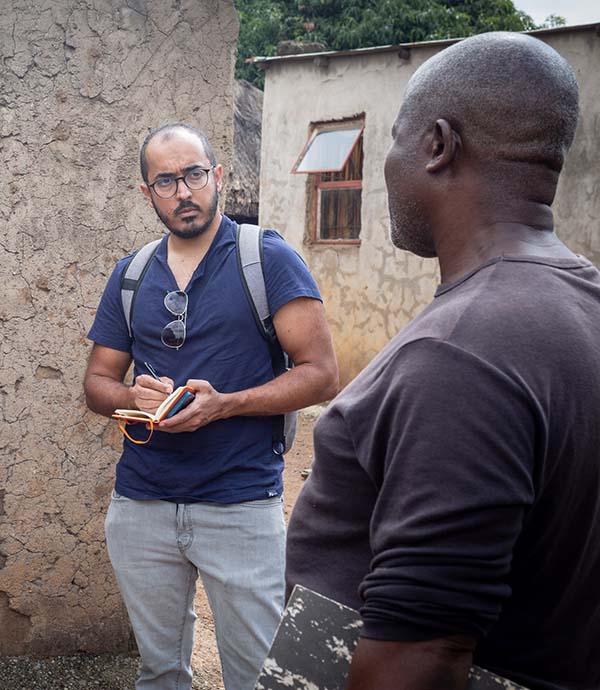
column 513, row 314
column 273, row 239
column 116, row 276
column 149, row 249
column 124, row 261
column 277, row 249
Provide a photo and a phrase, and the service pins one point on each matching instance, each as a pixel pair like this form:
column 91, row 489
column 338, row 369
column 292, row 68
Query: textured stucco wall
column 577, row 204
column 241, row 203
column 372, row 290
column 81, row 83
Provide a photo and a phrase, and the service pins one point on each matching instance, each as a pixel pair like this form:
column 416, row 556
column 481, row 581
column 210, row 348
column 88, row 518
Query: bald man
column 454, row 497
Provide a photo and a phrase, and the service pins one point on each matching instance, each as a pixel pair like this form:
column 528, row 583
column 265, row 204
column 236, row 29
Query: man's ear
column 146, row 192
column 219, row 176
column 445, row 143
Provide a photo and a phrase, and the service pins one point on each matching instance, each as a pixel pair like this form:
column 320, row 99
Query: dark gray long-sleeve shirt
column 456, row 482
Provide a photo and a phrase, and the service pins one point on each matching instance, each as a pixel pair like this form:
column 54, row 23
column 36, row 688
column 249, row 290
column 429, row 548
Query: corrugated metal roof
column 265, row 61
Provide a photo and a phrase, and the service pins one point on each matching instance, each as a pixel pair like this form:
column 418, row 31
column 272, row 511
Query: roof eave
column 401, row 48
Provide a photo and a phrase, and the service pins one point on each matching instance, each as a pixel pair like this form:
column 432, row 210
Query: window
column 333, row 158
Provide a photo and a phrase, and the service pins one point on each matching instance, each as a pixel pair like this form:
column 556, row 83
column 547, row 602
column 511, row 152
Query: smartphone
column 185, row 400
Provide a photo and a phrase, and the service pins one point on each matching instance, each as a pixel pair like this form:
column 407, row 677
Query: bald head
column 165, row 132
column 509, row 96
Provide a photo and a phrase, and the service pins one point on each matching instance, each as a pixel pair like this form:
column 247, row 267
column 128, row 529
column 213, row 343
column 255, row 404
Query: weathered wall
column 241, row 202
column 82, row 81
column 373, row 289
column 577, row 204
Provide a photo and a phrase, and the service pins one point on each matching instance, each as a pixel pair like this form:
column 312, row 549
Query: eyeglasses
column 167, row 185
column 124, row 422
column 173, row 334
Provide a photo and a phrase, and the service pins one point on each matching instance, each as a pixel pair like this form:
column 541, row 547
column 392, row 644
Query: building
column 327, row 119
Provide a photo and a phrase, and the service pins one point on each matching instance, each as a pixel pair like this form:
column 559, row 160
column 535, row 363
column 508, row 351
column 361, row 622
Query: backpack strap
column 249, row 245
column 249, row 252
column 132, row 277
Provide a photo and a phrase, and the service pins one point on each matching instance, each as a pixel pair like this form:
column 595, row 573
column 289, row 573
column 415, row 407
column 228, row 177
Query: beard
column 194, row 228
column 409, row 229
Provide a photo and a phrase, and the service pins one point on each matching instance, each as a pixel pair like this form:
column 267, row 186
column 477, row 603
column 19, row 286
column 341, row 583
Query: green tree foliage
column 347, row 24
column 553, row 20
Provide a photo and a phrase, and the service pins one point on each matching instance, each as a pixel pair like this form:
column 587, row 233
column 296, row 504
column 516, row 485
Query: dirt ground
column 205, row 659
column 118, row 672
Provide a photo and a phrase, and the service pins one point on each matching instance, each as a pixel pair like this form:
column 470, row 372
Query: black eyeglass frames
column 195, row 179
column 173, row 334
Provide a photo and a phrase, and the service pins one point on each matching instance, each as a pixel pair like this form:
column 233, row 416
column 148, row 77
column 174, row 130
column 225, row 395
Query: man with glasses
column 203, row 495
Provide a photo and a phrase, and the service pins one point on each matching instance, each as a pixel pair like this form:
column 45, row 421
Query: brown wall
column 81, row 83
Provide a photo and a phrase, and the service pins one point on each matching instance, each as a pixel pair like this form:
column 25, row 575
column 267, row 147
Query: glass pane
column 353, row 168
column 328, row 150
column 339, row 214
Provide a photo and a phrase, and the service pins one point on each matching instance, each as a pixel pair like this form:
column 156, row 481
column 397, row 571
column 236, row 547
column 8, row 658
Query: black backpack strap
column 132, row 277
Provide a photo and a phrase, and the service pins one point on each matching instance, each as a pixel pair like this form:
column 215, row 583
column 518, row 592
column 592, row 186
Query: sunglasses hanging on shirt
column 173, row 334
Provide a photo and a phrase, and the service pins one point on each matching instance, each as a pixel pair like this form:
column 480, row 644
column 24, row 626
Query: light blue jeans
column 158, row 549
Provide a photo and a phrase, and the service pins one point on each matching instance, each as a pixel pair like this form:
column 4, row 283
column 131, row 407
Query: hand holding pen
column 150, row 390
column 164, row 380
column 151, row 370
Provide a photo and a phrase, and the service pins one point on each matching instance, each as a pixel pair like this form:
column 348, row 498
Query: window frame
column 316, row 228
column 319, row 129
column 315, row 183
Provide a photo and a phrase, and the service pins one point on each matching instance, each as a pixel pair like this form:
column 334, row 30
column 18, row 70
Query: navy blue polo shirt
column 229, row 460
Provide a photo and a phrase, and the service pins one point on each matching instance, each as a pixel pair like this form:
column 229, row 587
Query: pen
column 151, row 370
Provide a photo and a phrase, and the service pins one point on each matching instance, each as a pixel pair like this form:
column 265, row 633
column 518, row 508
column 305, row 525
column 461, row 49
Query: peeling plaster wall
column 373, row 290
column 82, row 82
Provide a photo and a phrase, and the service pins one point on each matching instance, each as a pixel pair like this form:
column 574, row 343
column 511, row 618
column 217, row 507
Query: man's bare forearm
column 306, row 384
column 440, row 664
column 104, row 395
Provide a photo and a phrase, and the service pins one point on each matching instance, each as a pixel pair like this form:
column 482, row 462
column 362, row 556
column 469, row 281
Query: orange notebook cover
column 173, row 403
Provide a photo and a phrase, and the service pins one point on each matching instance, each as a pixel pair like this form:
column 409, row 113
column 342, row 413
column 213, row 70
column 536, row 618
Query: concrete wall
column 82, row 81
column 577, row 204
column 372, row 290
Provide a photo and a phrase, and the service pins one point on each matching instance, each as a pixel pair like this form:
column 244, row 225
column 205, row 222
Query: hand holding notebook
column 178, row 399
column 172, row 404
